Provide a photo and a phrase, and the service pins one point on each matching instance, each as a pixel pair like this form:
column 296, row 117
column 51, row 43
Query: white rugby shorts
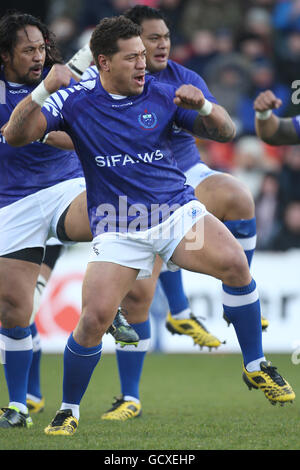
column 30, row 221
column 198, row 173
column 194, row 176
column 138, row 250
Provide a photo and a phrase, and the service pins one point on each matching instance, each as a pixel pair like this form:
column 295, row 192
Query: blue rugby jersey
column 184, row 146
column 296, row 122
column 26, row 170
column 125, row 149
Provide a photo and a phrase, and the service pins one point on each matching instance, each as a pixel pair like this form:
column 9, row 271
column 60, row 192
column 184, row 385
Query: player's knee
column 15, row 311
column 138, row 300
column 235, row 268
column 238, row 201
column 95, row 322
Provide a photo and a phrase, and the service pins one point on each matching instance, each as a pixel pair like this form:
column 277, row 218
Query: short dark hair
column 140, row 13
column 108, row 32
column 12, row 22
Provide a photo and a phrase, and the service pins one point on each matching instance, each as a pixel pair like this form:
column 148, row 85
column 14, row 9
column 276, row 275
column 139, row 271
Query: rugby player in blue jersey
column 42, row 193
column 138, row 203
column 223, row 195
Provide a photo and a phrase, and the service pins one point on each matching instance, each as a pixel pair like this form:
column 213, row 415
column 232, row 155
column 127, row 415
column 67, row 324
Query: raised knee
column 238, row 201
column 138, row 299
column 235, row 268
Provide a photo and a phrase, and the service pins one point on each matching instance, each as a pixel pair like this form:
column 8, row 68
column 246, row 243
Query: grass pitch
column 190, row 402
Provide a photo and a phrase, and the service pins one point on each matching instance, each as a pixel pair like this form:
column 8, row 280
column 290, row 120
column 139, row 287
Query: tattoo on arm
column 23, row 113
column 224, row 132
column 24, row 125
column 285, row 134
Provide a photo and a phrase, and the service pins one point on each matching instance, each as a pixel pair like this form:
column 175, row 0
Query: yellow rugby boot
column 123, row 410
column 264, row 323
column 194, row 328
column 35, row 406
column 275, row 387
column 63, row 424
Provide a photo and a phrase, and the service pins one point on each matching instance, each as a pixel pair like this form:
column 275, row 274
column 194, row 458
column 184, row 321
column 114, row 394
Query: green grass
column 190, row 402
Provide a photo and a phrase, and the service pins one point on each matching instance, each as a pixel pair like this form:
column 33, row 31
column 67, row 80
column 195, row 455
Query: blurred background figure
column 289, row 179
column 213, row 15
column 263, row 77
column 288, row 236
column 250, row 163
column 203, row 49
column 266, row 210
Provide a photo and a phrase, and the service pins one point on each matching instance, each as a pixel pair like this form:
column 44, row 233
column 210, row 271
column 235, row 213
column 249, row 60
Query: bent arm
column 217, row 126
column 26, row 124
column 277, row 131
column 270, row 128
column 212, row 122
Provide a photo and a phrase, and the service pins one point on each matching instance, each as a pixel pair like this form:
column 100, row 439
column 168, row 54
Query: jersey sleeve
column 296, row 122
column 185, row 118
column 90, row 73
column 53, row 110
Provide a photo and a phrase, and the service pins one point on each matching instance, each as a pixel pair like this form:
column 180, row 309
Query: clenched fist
column 189, row 97
column 58, row 77
column 266, row 100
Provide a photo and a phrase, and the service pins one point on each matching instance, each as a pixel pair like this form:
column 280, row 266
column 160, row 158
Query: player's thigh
column 17, row 283
column 139, row 299
column 226, row 197
column 76, row 221
column 211, row 249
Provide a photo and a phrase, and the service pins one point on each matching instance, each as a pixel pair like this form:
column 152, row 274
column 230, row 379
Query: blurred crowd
column 240, row 47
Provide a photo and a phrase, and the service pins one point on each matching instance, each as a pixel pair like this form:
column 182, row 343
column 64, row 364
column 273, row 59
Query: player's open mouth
column 160, row 57
column 36, row 70
column 140, row 79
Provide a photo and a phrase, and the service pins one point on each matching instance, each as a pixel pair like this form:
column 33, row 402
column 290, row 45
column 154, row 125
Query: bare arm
column 273, row 130
column 217, row 125
column 60, row 139
column 27, row 123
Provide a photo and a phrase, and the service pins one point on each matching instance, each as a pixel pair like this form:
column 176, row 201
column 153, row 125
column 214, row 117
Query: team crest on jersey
column 148, row 120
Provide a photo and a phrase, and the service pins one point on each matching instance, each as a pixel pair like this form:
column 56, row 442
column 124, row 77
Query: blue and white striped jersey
column 183, row 144
column 125, row 149
column 26, row 170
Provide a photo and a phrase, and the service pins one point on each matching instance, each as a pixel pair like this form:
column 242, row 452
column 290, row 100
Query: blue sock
column 172, row 285
column 17, row 345
column 34, row 383
column 245, row 232
column 131, row 359
column 242, row 307
column 79, row 364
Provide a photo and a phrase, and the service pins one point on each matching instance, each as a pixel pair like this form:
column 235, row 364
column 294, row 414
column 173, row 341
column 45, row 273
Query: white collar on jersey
column 117, row 97
column 13, row 84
